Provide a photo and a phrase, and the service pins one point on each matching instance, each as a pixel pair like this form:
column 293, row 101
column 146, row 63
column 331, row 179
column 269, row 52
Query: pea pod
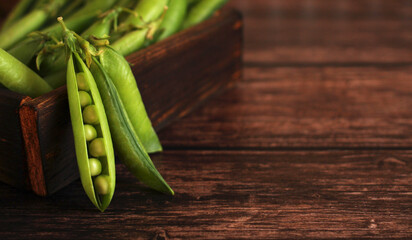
column 31, row 22
column 25, row 50
column 19, row 78
column 148, row 11
column 78, row 21
column 118, row 69
column 190, row 2
column 98, row 179
column 18, row 11
column 127, row 144
column 173, row 19
column 132, row 41
column 201, row 11
column 82, row 18
column 102, row 27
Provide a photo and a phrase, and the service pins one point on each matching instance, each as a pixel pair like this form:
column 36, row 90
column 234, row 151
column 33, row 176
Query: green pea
column 96, row 148
column 102, row 184
column 85, row 98
column 90, row 115
column 82, row 83
column 95, row 166
column 90, row 132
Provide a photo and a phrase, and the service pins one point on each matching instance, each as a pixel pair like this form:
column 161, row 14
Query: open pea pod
column 127, row 143
column 94, row 148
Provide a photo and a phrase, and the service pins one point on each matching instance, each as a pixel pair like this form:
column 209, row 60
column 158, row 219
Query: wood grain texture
column 326, row 32
column 29, row 128
column 56, row 139
column 308, row 107
column 233, row 195
column 296, row 151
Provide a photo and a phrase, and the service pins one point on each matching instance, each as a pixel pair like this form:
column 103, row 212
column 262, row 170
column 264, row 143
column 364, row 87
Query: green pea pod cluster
column 148, row 11
column 106, row 101
column 92, row 138
column 32, row 21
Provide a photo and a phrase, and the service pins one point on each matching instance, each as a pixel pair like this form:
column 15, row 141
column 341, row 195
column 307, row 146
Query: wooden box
column 174, row 77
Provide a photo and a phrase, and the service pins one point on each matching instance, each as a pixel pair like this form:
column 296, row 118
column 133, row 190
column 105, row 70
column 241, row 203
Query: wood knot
column 372, row 224
column 161, row 235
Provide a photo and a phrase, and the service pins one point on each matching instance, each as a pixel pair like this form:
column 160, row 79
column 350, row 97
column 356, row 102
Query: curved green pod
column 81, row 144
column 21, row 28
column 82, row 18
column 130, row 42
column 99, row 29
column 149, row 11
column 118, row 69
column 19, row 78
column 127, row 144
column 201, row 11
column 31, row 22
column 173, row 18
column 18, row 11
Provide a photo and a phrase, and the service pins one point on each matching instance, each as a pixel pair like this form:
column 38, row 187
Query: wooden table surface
column 315, row 142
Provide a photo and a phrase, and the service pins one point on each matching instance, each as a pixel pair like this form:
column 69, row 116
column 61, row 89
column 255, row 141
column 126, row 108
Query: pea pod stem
column 77, row 22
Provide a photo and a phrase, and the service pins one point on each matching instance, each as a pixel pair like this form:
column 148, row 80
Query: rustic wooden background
column 316, row 142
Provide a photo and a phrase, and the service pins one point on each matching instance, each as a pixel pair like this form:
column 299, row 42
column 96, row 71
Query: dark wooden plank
column 322, row 31
column 308, row 107
column 55, row 134
column 12, row 153
column 233, row 195
column 29, row 128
